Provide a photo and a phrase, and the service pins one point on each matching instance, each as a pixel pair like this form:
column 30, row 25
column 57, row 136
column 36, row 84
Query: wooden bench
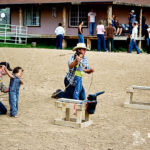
column 65, row 107
column 130, row 103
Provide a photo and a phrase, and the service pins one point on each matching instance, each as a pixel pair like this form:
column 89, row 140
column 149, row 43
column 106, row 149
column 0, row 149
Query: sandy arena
column 114, row 127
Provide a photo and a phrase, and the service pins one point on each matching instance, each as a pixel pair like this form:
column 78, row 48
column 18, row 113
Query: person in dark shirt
column 80, row 32
column 132, row 19
column 117, row 26
column 110, row 31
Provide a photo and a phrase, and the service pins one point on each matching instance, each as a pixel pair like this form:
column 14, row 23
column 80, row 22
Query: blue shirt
column 132, row 18
column 14, row 84
column 71, row 73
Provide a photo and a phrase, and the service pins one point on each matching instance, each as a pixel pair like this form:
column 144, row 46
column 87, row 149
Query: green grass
column 30, row 46
column 120, row 49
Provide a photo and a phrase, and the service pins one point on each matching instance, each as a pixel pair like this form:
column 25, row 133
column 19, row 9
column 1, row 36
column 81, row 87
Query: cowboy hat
column 80, row 45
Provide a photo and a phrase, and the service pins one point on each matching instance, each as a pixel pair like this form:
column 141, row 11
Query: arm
column 89, row 70
column 80, row 29
column 7, row 72
column 21, row 82
column 89, row 19
column 103, row 29
column 75, row 62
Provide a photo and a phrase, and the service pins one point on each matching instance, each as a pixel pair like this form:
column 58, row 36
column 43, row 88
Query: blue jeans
column 13, row 102
column 69, row 91
column 100, row 37
column 3, row 109
column 81, row 38
column 92, row 27
column 59, row 39
column 79, row 92
column 132, row 44
column 147, row 41
column 130, row 28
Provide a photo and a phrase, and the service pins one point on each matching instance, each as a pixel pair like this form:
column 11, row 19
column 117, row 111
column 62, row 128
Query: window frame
column 32, row 7
column 79, row 8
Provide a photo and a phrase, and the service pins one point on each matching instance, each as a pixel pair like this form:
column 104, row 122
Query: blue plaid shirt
column 71, row 73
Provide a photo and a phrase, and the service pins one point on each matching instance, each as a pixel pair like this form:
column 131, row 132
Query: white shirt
column 92, row 16
column 100, row 29
column 59, row 30
column 134, row 33
column 148, row 32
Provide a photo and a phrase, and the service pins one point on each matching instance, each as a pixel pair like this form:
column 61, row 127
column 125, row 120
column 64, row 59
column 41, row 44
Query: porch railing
column 13, row 34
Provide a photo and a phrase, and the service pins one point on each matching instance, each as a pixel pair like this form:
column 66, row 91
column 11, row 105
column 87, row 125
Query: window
column 78, row 13
column 5, row 16
column 32, row 16
column 54, row 12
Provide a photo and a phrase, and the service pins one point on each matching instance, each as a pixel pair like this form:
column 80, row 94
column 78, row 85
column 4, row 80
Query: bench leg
column 130, row 97
column 59, row 112
column 67, row 114
column 79, row 116
column 86, row 116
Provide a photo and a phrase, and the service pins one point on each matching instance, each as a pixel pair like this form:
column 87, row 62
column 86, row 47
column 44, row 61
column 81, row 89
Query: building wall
column 49, row 23
column 14, row 15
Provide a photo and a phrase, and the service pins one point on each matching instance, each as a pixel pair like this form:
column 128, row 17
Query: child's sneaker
column 14, row 116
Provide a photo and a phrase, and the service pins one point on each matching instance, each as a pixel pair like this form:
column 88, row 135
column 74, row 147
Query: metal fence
column 13, row 34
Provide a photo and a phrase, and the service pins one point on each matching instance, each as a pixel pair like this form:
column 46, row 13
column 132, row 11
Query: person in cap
column 134, row 38
column 110, row 32
column 132, row 19
column 4, row 67
column 78, row 65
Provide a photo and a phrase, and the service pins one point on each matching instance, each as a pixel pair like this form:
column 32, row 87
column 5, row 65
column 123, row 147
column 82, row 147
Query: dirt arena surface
column 114, row 128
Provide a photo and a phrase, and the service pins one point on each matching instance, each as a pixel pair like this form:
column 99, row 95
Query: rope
column 90, row 84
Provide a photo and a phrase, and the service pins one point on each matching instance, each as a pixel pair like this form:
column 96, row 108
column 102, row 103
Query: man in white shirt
column 91, row 21
column 134, row 38
column 59, row 35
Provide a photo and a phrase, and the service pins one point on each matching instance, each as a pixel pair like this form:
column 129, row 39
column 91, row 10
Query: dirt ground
column 114, row 127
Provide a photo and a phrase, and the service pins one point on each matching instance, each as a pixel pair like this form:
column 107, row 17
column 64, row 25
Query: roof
column 119, row 2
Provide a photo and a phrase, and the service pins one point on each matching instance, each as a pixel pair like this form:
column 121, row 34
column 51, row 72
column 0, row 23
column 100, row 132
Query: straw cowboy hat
column 80, row 45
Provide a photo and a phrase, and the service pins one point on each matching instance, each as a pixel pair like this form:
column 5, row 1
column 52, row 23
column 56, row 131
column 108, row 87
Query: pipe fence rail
column 13, row 34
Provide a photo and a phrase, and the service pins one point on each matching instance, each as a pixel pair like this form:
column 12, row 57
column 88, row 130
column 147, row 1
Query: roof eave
column 130, row 4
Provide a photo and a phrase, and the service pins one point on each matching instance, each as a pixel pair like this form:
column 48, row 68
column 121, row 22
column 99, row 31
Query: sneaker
column 14, row 116
column 55, row 94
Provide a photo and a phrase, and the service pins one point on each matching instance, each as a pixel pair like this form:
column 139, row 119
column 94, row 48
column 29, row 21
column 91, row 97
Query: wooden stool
column 130, row 103
column 66, row 120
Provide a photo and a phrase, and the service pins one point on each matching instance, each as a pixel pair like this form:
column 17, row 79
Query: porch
column 88, row 38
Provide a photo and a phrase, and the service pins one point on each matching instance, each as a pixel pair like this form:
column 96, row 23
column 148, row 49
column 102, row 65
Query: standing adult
column 134, row 38
column 91, row 21
column 132, row 19
column 100, row 36
column 75, row 63
column 80, row 32
column 110, row 31
column 59, row 35
column 147, row 38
